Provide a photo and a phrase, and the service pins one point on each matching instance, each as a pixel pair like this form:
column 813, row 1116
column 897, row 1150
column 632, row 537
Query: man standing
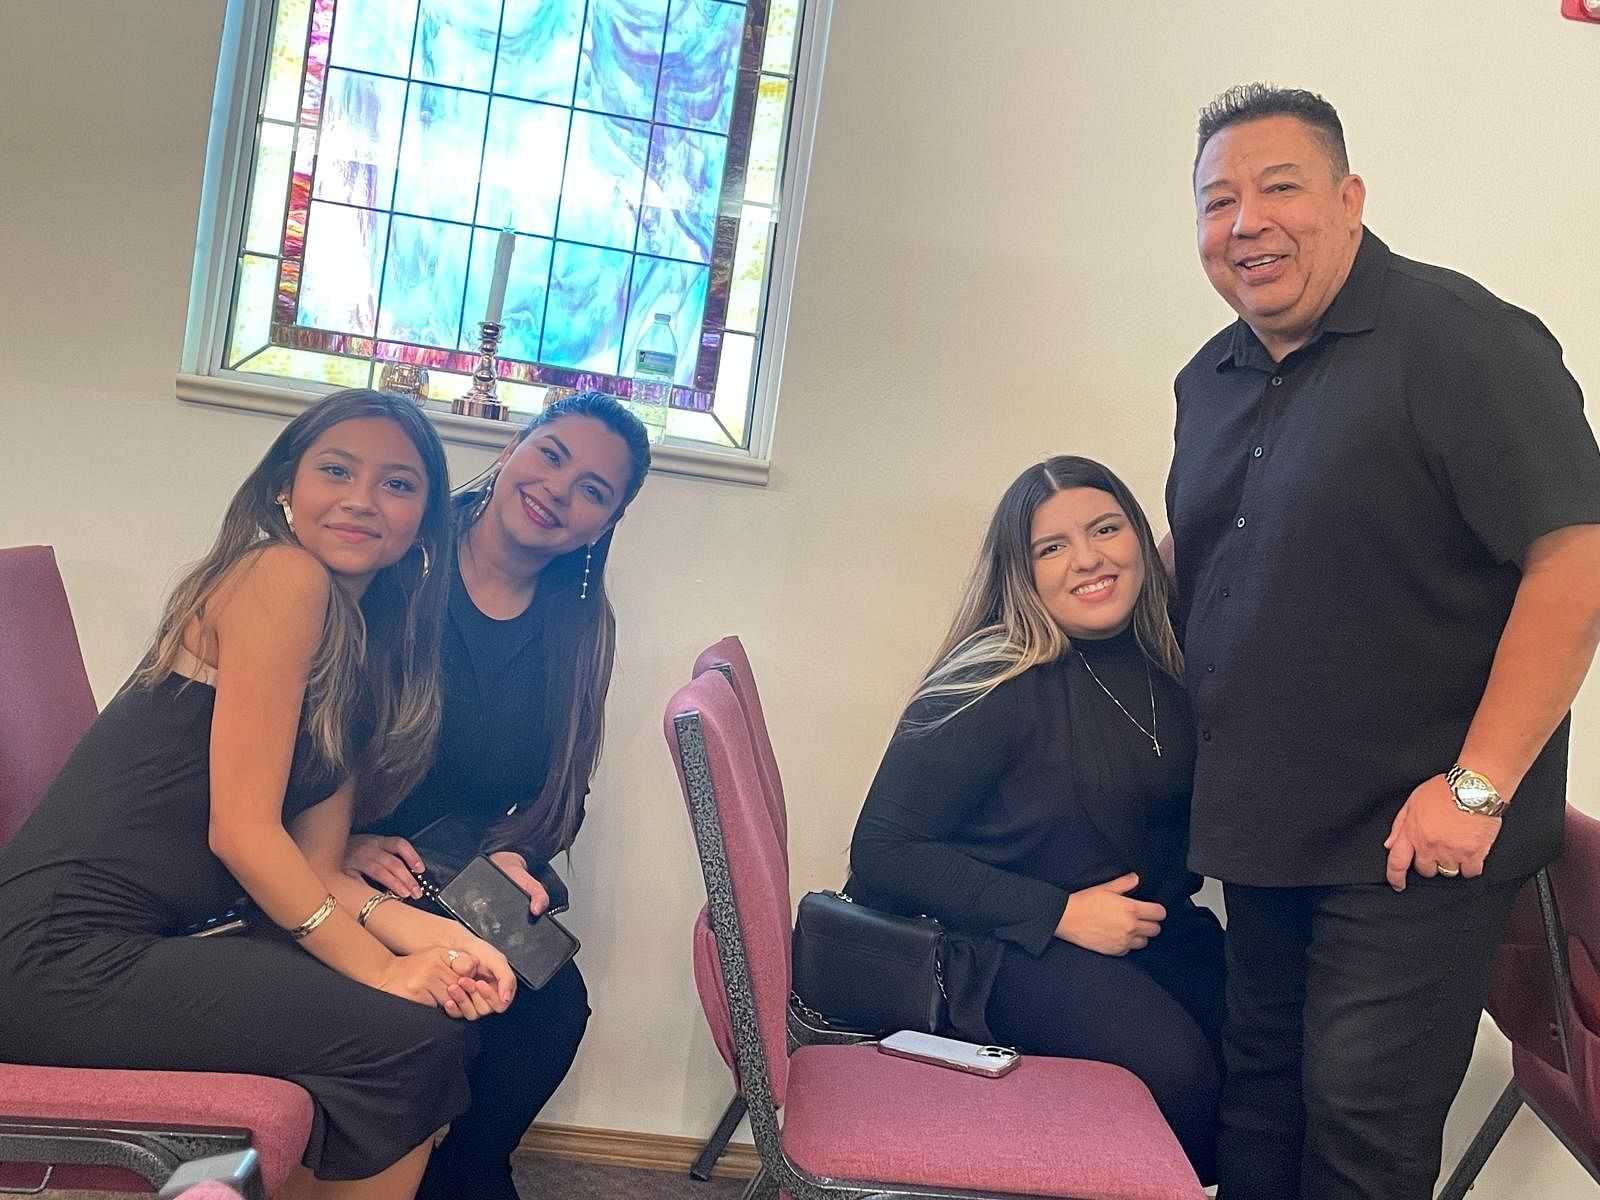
column 1385, row 504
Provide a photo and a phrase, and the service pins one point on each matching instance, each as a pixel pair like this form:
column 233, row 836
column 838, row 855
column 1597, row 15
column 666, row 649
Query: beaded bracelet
column 311, row 923
column 371, row 905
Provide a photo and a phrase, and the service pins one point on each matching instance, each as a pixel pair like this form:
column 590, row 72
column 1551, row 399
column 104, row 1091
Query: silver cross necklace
column 1149, row 733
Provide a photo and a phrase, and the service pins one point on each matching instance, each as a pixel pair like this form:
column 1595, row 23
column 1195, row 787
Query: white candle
column 502, row 272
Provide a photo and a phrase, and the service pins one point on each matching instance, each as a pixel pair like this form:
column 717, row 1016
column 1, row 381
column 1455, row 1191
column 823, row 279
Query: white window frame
column 202, row 379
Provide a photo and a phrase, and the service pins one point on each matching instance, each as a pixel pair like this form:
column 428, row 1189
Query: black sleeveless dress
column 94, row 972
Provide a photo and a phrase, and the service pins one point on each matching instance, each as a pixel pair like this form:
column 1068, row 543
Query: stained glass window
column 636, row 148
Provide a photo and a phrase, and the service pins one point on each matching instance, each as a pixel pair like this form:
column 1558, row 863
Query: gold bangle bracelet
column 371, row 906
column 310, row 924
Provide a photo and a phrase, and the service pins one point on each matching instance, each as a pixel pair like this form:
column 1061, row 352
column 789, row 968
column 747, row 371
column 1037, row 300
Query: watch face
column 1474, row 791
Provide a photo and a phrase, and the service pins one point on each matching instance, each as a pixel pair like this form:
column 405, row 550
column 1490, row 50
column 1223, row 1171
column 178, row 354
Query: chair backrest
column 747, row 879
column 45, row 700
column 729, row 657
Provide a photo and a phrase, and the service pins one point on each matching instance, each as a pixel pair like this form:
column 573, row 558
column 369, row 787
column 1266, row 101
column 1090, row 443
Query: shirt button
column 1276, row 380
column 1225, row 593
column 1205, row 735
column 1240, row 522
column 1211, row 668
column 1256, row 452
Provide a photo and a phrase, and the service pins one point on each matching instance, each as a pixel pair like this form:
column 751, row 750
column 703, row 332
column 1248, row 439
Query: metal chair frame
column 1513, row 1098
column 153, row 1151
column 778, row 1173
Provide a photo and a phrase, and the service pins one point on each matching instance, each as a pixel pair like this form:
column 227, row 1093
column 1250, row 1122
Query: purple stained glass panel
column 361, row 116
column 621, row 57
column 343, row 260
column 539, row 42
column 681, row 195
column 699, row 64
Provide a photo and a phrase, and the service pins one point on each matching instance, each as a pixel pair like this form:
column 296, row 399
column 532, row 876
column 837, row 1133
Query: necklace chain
column 1149, row 733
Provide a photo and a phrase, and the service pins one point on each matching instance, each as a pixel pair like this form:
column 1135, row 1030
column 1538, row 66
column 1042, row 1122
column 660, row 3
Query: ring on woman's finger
column 450, row 956
column 1447, row 872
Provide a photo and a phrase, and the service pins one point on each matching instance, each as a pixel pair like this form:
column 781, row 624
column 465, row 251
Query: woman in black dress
column 527, row 654
column 299, row 656
column 1035, row 797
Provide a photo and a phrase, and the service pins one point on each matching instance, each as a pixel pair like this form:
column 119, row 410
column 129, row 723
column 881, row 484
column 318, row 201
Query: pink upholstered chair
column 122, row 1130
column 857, row 1123
column 1546, row 1000
column 729, row 657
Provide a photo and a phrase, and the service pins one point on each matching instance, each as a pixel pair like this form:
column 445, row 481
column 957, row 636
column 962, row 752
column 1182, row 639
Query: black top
column 1348, row 526
column 120, row 840
column 1039, row 789
column 493, row 746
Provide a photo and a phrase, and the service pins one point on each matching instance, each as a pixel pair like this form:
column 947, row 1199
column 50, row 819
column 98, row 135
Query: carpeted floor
column 540, row 1177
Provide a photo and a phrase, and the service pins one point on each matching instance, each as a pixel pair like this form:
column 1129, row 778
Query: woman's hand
column 389, row 862
column 1105, row 919
column 440, row 977
column 497, row 981
column 514, row 865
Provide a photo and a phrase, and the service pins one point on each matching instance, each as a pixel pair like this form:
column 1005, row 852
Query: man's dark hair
column 1252, row 101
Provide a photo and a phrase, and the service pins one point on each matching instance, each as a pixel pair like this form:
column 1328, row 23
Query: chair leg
column 718, row 1141
column 761, row 1187
column 1488, row 1137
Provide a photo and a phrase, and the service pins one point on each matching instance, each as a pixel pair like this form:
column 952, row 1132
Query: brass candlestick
column 480, row 400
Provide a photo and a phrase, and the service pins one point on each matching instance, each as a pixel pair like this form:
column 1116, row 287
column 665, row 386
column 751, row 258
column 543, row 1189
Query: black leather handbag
column 863, row 969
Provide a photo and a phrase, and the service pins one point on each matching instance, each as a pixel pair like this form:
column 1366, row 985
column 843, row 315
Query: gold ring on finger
column 1447, row 872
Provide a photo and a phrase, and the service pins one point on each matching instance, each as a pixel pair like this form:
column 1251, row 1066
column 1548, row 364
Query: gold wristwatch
column 1474, row 793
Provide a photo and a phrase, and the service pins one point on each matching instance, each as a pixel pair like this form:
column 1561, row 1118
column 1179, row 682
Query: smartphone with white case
column 989, row 1061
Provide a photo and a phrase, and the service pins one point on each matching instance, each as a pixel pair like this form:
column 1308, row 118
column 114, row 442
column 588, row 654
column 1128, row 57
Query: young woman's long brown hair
column 1002, row 627
column 580, row 634
column 377, row 663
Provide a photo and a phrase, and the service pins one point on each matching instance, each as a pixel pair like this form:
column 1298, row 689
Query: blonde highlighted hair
column 1002, row 627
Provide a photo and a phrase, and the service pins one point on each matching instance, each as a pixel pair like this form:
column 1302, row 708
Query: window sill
column 671, row 458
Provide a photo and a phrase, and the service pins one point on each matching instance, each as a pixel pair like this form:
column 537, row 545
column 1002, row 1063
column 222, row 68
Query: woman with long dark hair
column 527, row 653
column 1035, row 799
column 293, row 663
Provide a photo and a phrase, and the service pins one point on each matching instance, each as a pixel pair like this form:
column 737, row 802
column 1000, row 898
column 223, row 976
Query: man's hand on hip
column 1434, row 837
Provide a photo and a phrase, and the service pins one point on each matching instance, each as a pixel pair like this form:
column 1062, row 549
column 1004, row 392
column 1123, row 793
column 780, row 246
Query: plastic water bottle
column 654, row 367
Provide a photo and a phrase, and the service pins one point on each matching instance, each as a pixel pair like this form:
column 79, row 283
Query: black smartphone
column 486, row 900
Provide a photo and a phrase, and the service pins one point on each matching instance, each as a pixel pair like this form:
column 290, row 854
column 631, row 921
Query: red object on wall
column 1581, row 10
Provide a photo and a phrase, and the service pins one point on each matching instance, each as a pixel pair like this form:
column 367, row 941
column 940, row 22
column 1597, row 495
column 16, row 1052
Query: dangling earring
column 488, row 493
column 288, row 513
column 588, row 557
column 427, row 563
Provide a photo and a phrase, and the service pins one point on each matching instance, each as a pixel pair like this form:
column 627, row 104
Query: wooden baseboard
column 651, row 1151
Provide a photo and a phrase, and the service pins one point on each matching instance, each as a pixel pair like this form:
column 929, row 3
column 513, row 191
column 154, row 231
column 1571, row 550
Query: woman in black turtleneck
column 1035, row 798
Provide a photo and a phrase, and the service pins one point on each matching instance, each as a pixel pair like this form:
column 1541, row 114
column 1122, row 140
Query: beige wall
column 997, row 263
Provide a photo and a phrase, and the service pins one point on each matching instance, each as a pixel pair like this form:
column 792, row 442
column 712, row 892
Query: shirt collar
column 1354, row 309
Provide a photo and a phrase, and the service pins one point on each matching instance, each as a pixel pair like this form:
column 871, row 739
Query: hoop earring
column 288, row 513
column 588, row 557
column 488, row 494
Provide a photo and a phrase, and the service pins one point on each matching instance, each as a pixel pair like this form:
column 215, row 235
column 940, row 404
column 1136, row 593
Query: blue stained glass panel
column 679, row 215
column 539, row 49
column 361, row 118
column 523, row 312
column 440, row 153
column 422, row 281
column 373, row 35
column 700, row 64
column 344, row 254
column 522, row 165
column 677, row 289
column 604, row 180
column 621, row 56
column 583, row 321
column 456, row 42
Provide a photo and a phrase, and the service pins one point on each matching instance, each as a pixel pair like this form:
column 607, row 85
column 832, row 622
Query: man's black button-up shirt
column 1348, row 526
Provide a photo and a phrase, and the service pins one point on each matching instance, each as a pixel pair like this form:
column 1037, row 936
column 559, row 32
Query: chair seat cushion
column 276, row 1112
column 1052, row 1127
